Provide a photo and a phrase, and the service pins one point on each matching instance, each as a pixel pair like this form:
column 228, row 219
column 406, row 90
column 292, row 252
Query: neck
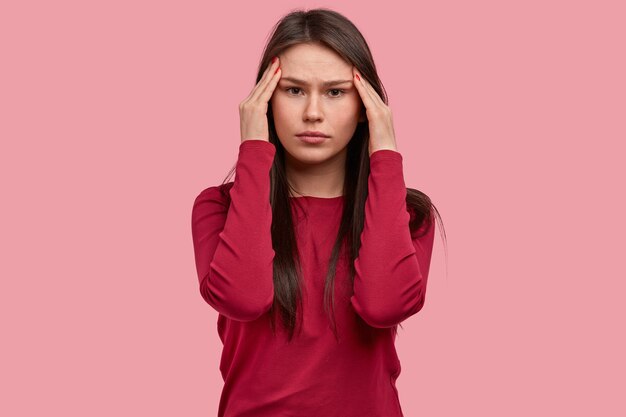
column 324, row 179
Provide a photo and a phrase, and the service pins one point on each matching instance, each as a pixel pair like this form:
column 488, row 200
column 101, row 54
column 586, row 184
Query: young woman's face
column 307, row 104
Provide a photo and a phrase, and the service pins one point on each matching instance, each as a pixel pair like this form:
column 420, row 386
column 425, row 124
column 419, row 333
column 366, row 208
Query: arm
column 392, row 266
column 233, row 246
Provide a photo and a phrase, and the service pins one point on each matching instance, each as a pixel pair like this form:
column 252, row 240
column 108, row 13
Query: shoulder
column 209, row 212
column 215, row 195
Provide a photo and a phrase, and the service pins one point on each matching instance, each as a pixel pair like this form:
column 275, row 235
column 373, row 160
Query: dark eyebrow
column 324, row 84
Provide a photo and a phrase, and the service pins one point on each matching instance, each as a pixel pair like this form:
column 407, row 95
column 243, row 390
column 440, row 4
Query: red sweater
column 314, row 375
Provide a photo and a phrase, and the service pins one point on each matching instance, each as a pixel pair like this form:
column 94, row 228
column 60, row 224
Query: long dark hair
column 333, row 30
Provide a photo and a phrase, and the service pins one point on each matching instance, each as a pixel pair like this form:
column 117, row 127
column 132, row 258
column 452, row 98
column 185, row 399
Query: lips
column 314, row 140
column 311, row 133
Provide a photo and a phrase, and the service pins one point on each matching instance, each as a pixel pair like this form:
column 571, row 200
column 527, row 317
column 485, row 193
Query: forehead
column 314, row 63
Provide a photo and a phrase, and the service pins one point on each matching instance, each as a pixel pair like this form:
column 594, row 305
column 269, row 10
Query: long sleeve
column 392, row 266
column 233, row 245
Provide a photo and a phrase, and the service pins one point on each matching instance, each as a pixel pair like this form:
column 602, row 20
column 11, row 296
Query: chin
column 310, row 154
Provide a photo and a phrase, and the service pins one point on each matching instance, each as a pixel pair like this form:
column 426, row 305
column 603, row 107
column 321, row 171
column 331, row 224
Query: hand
column 380, row 120
column 253, row 110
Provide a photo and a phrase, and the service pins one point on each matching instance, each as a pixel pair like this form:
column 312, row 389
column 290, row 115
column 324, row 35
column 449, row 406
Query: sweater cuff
column 385, row 154
column 258, row 149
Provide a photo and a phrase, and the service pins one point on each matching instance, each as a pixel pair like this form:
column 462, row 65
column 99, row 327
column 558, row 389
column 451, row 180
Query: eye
column 341, row 91
column 291, row 88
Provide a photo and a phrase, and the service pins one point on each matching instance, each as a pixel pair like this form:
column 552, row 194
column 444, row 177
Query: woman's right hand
column 253, row 110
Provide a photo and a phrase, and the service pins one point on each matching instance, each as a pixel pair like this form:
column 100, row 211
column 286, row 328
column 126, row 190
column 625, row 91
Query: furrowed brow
column 324, row 84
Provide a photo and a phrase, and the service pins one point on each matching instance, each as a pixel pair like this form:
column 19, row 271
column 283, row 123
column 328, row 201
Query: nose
column 313, row 110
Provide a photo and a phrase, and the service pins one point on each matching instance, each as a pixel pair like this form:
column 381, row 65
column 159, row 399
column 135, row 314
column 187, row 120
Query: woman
column 318, row 233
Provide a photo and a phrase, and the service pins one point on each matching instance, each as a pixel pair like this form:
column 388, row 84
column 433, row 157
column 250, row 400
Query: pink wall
column 115, row 115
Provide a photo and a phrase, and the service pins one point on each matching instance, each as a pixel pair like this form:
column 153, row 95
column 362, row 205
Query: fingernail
column 274, row 59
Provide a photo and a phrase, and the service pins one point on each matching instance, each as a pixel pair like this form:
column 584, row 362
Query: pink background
column 115, row 115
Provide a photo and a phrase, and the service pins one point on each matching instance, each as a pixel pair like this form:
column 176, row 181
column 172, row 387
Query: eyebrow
column 324, row 84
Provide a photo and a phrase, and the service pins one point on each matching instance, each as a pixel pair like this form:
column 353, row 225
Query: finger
column 271, row 86
column 274, row 63
column 260, row 82
column 264, row 93
column 376, row 99
column 266, row 79
column 364, row 93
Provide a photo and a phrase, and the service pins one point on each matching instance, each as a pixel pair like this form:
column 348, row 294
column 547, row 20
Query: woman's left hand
column 379, row 116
